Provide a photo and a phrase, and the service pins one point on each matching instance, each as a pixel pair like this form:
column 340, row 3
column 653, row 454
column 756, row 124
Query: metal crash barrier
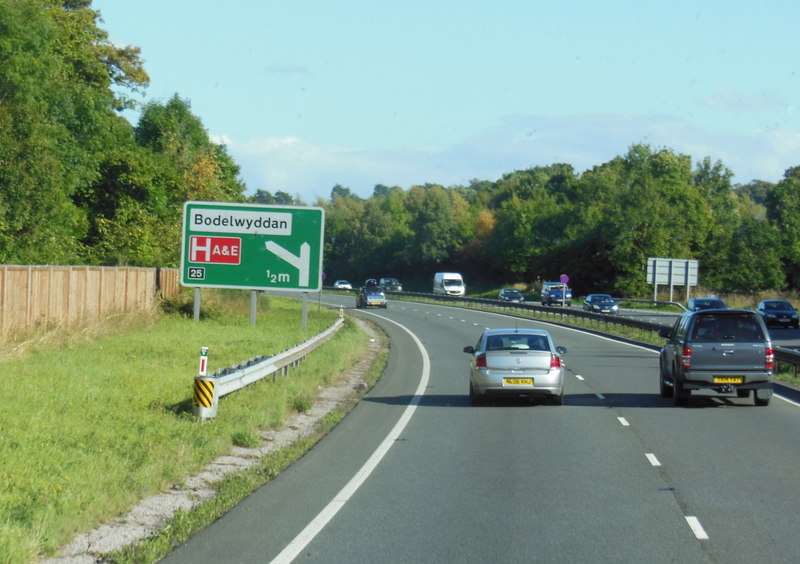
column 208, row 389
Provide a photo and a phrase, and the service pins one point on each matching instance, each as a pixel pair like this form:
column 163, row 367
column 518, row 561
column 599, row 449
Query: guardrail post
column 206, row 399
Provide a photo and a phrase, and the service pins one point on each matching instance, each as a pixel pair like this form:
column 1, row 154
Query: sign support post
column 197, row 304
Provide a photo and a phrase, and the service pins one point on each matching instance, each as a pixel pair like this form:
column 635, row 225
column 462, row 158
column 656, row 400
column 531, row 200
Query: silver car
column 516, row 363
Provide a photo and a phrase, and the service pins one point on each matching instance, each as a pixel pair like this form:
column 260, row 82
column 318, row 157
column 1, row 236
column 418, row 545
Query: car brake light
column 480, row 361
column 686, row 357
column 555, row 361
column 769, row 358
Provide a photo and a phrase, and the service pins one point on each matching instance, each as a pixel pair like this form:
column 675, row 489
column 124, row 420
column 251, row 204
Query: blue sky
column 307, row 94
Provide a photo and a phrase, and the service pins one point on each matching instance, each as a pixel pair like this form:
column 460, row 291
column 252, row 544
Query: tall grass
column 88, row 430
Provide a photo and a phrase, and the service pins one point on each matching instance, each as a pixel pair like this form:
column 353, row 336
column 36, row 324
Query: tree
column 783, row 208
column 148, row 174
column 345, row 236
column 758, row 190
column 438, row 222
column 205, row 169
column 713, row 182
column 476, row 252
column 341, row 191
column 634, row 207
column 56, row 110
column 128, row 207
column 262, row 197
column 397, row 255
column 522, row 236
column 753, row 259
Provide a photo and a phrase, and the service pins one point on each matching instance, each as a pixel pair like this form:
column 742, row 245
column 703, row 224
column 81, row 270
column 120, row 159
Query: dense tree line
column 600, row 226
column 80, row 184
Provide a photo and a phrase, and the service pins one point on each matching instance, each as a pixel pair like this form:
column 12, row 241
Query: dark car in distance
column 371, row 295
column 778, row 313
column 696, row 304
column 511, row 295
column 600, row 303
column 390, row 285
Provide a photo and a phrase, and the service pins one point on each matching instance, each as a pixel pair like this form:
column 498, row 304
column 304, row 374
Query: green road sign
column 252, row 246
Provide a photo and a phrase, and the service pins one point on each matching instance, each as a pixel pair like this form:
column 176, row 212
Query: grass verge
column 92, row 426
column 235, row 488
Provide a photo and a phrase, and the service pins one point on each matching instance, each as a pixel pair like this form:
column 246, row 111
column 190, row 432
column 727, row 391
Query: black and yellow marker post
column 205, row 398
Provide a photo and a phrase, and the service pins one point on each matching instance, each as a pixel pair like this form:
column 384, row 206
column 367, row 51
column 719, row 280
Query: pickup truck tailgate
column 728, row 356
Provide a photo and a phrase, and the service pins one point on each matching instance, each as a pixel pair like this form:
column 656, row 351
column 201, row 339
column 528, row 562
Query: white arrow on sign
column 302, row 263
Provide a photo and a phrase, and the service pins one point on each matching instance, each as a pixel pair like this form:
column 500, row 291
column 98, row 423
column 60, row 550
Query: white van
column 449, row 283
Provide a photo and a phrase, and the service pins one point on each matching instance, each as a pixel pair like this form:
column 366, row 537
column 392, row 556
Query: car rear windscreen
column 733, row 328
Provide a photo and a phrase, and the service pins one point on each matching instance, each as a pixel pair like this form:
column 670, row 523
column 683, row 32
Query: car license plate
column 728, row 379
column 518, row 381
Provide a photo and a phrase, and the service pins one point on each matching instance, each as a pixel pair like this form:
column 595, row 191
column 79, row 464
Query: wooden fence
column 31, row 295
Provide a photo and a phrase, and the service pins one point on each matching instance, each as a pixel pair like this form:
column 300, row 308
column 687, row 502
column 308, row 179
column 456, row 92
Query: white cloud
column 303, row 169
column 743, row 102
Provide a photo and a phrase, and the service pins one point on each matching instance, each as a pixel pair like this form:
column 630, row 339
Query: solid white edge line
column 787, row 400
column 299, row 543
column 696, row 527
column 652, row 458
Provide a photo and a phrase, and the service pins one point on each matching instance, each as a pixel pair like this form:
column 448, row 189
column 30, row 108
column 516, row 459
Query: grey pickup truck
column 726, row 351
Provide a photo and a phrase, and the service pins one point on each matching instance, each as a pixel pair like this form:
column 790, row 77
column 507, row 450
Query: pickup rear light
column 769, row 358
column 480, row 361
column 686, row 357
column 555, row 361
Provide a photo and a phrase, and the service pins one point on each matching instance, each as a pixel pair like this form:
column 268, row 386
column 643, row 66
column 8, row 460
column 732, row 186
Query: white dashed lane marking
column 694, row 522
column 652, row 458
column 696, row 527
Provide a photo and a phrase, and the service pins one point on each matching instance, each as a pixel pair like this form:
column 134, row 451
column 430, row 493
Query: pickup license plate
column 518, row 381
column 728, row 379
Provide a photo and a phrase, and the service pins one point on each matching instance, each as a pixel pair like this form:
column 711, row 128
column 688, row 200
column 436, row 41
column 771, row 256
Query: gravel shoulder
column 152, row 513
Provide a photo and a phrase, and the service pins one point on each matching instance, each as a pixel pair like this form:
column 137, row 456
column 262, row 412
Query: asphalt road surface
column 617, row 474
